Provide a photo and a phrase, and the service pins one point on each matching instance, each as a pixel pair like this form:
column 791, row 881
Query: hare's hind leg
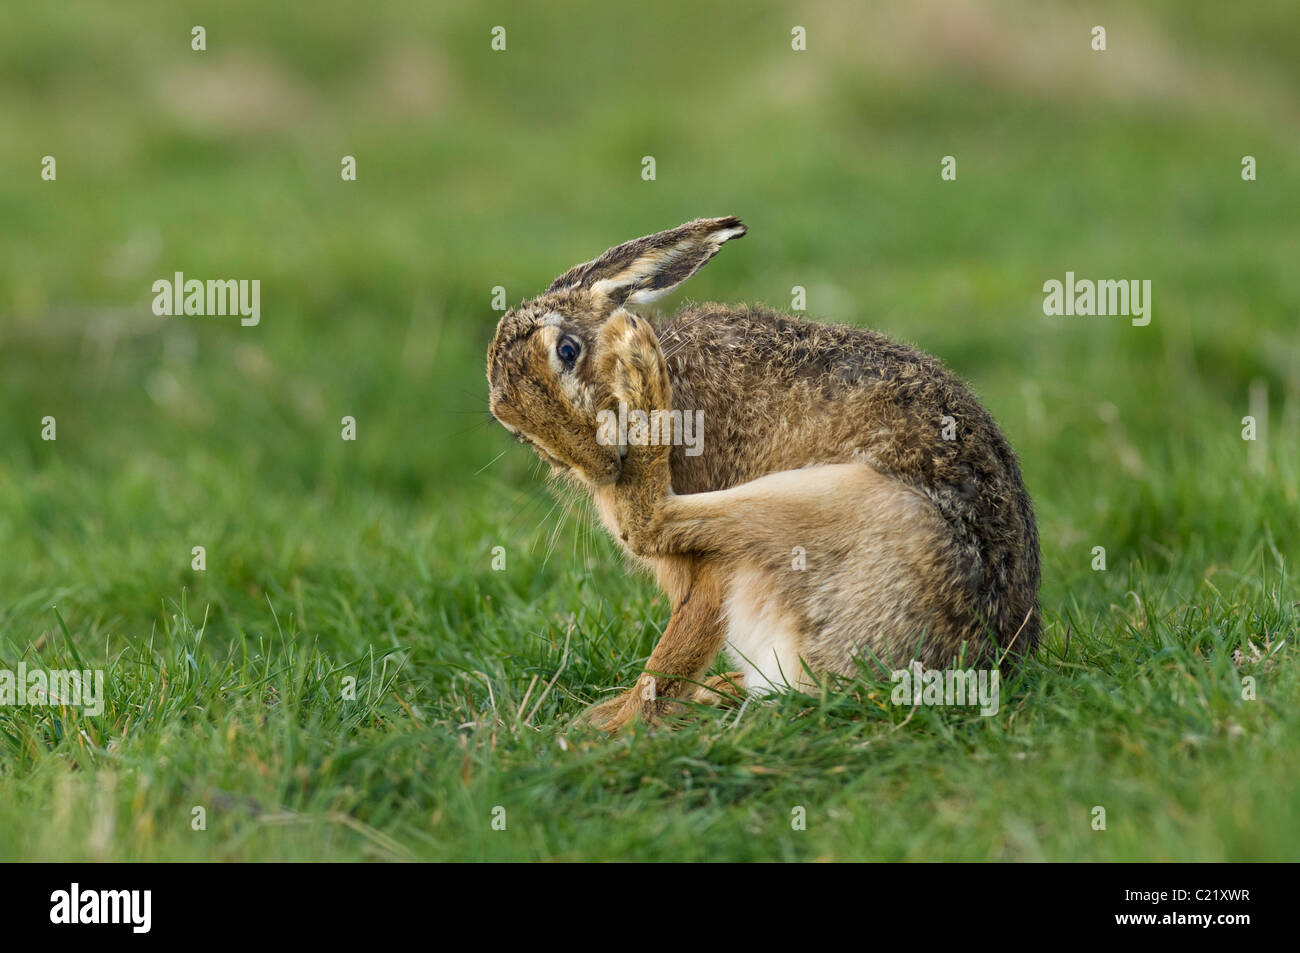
column 821, row 565
column 690, row 643
column 824, row 565
column 777, row 509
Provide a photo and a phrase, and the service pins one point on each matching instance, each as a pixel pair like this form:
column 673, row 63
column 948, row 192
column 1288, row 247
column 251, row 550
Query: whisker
column 492, row 461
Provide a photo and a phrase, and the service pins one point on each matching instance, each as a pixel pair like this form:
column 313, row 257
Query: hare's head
column 551, row 363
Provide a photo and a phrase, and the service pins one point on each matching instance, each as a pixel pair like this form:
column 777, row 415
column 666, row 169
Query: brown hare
column 849, row 499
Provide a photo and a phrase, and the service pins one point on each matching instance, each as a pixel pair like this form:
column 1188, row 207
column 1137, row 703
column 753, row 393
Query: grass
column 328, row 560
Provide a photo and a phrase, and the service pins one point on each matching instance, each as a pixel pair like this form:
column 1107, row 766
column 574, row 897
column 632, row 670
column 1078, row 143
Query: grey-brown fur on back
column 781, row 393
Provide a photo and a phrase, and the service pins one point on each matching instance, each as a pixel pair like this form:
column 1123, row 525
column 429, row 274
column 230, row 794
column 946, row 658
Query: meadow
column 348, row 677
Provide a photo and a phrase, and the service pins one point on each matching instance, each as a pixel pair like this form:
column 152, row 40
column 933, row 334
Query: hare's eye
column 567, row 350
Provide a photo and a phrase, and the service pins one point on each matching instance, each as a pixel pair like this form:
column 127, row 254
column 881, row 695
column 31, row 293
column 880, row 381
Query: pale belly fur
column 762, row 640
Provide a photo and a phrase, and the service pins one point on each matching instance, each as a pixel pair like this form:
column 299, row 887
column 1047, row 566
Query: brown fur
column 820, row 437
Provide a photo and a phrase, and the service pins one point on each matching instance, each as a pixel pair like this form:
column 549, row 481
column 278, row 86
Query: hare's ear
column 646, row 269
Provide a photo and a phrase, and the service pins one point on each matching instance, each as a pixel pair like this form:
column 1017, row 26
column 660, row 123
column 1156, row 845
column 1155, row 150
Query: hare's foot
column 721, row 691
column 638, row 373
column 685, row 651
column 637, row 703
column 640, row 384
column 640, row 703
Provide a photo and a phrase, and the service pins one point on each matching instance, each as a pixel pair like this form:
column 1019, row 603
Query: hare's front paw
column 721, row 691
column 616, row 714
column 641, row 703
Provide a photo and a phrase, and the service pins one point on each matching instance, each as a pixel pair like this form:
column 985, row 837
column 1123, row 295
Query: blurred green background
column 479, row 168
